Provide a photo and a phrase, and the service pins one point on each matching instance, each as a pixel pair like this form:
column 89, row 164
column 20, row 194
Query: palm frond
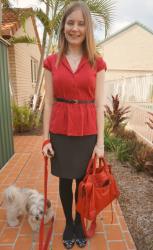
column 22, row 39
column 44, row 19
column 103, row 11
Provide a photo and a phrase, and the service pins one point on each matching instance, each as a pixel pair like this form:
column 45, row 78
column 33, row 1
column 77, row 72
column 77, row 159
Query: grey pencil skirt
column 72, row 154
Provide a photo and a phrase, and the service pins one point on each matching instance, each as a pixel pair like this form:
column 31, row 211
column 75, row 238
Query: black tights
column 66, row 195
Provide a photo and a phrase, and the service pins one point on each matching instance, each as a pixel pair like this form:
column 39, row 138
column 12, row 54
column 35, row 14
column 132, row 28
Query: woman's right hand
column 48, row 150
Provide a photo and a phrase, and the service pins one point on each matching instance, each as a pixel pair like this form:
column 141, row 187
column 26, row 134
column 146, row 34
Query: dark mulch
column 136, row 201
column 36, row 131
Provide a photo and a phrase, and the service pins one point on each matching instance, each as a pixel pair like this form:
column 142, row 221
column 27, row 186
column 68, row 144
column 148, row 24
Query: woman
column 74, row 110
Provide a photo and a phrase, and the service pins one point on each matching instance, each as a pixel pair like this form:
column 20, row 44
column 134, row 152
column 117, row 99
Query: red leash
column 44, row 245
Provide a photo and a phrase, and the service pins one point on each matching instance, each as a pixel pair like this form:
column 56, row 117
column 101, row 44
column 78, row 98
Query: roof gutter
column 4, row 41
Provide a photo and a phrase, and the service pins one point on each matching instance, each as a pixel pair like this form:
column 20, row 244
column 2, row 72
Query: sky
column 126, row 12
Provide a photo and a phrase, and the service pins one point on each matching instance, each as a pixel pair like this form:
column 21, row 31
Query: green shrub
column 111, row 142
column 124, row 151
column 128, row 148
column 24, row 119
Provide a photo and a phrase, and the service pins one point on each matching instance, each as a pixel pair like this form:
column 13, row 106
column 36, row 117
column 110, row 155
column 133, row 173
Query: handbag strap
column 90, row 232
column 44, row 246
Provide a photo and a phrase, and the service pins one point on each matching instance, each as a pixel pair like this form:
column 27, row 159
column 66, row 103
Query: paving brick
column 9, row 235
column 3, row 247
column 23, row 242
column 123, row 223
column 59, row 226
column 117, row 246
column 2, row 214
column 113, row 232
column 25, row 228
column 129, row 241
column 108, row 217
column 2, row 225
column 98, row 242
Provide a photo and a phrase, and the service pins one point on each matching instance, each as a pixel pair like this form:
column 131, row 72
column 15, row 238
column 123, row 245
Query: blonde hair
column 89, row 47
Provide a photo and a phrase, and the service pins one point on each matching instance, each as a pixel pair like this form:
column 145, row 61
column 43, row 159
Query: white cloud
column 119, row 26
column 137, row 10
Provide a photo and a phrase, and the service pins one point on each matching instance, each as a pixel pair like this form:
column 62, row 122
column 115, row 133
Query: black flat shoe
column 68, row 236
column 81, row 242
column 80, row 238
column 68, row 244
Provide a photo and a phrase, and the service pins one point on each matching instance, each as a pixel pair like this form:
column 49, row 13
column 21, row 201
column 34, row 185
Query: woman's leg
column 66, row 195
column 77, row 215
column 80, row 236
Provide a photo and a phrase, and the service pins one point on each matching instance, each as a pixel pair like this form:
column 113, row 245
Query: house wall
column 12, row 73
column 20, row 65
column 129, row 53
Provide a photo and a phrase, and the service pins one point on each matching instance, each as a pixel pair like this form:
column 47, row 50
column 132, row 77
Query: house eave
column 4, row 41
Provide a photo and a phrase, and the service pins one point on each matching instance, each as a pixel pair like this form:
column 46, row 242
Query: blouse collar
column 83, row 61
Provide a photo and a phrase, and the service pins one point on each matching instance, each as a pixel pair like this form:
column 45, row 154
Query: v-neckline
column 69, row 65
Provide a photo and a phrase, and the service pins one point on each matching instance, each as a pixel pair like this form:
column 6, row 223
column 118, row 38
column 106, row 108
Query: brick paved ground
column 25, row 168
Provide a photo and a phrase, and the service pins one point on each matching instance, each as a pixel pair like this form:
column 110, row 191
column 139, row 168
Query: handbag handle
column 92, row 165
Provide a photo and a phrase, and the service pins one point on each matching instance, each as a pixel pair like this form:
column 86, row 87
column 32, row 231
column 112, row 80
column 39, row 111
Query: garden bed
column 136, row 201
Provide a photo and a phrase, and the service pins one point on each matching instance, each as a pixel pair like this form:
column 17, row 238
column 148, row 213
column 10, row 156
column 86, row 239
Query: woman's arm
column 100, row 101
column 48, row 103
column 49, row 100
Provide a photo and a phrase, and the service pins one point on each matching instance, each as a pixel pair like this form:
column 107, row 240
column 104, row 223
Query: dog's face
column 35, row 208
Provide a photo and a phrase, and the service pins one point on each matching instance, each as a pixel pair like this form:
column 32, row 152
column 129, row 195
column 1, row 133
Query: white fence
column 136, row 92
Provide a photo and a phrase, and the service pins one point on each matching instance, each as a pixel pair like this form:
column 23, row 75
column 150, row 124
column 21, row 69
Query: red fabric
column 96, row 191
column 73, row 119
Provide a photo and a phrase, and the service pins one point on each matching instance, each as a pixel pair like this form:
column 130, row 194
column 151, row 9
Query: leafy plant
column 116, row 117
column 124, row 151
column 24, row 119
column 128, row 148
column 108, row 141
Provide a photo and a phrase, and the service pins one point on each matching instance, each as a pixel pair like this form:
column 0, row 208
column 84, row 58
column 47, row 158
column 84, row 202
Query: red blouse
column 73, row 119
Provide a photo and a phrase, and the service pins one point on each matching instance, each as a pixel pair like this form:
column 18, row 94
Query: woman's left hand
column 98, row 151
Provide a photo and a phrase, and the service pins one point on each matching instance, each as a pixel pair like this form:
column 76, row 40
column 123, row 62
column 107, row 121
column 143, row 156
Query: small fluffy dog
column 19, row 201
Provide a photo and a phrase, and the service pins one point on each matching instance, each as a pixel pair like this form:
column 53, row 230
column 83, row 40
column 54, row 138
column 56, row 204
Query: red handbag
column 96, row 191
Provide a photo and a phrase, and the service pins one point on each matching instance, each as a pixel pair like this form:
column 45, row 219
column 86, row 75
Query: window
column 34, row 70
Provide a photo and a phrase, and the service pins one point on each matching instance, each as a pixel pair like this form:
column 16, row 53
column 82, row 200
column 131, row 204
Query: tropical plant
column 116, row 116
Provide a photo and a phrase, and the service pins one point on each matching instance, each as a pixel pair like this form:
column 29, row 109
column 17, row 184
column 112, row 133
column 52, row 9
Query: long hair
column 89, row 47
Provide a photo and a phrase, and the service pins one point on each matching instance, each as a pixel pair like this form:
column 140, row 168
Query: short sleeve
column 47, row 64
column 101, row 64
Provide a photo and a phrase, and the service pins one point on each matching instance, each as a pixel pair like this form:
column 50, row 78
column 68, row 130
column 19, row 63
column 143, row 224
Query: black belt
column 74, row 101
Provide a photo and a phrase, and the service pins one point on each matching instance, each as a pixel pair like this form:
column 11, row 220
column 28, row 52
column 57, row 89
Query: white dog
column 19, row 201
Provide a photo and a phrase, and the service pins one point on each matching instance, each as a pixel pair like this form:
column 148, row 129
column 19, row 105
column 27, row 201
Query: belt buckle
column 76, row 101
